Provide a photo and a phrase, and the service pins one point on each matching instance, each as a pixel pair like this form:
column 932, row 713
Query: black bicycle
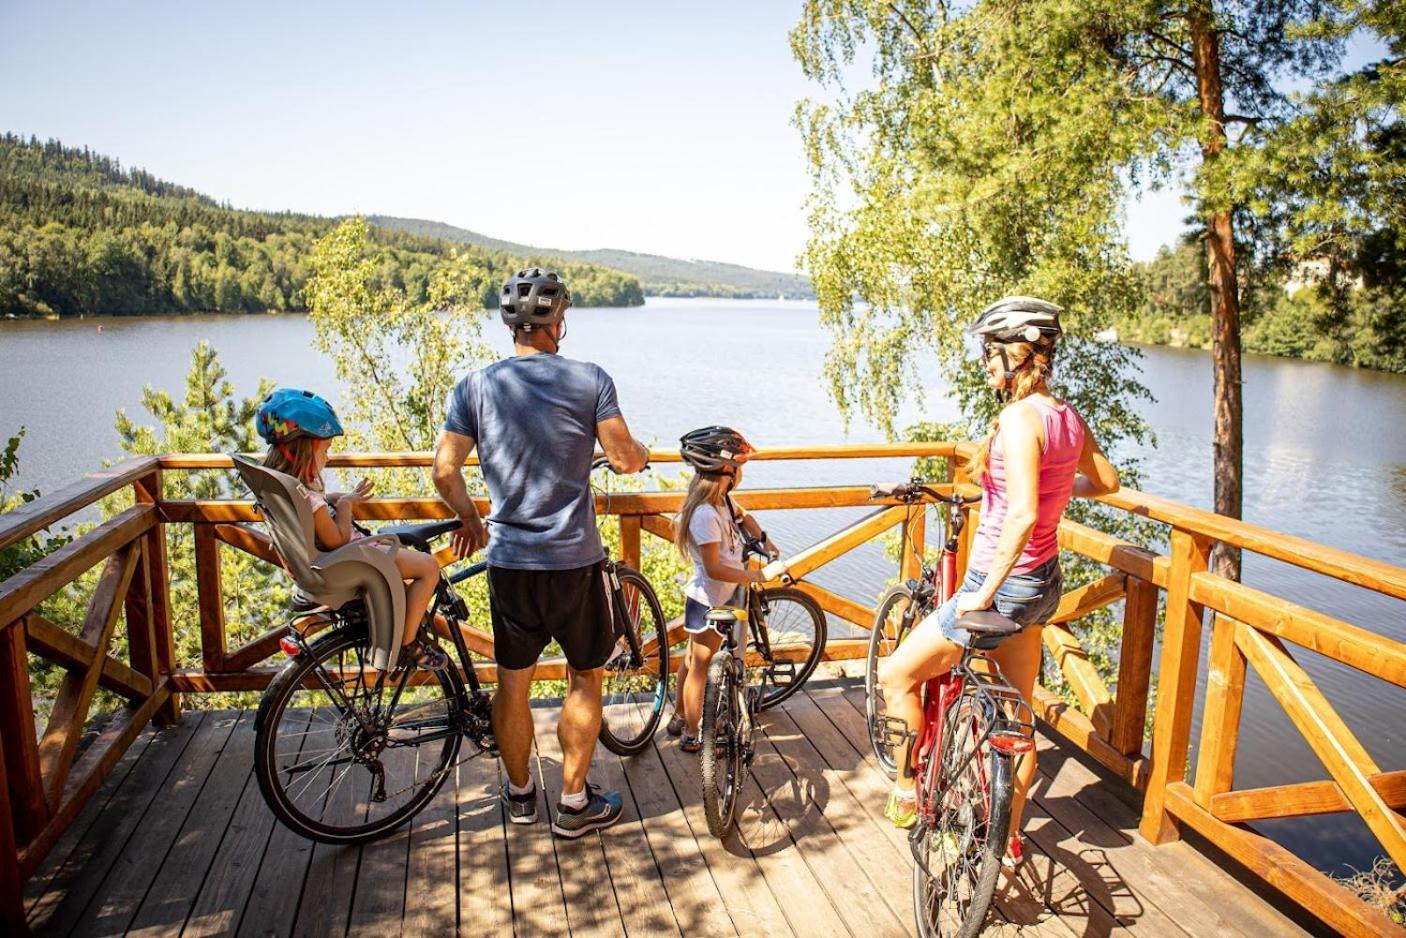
column 344, row 753
column 636, row 682
column 786, row 628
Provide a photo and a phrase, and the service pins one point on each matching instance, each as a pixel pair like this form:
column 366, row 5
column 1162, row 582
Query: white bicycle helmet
column 1018, row 319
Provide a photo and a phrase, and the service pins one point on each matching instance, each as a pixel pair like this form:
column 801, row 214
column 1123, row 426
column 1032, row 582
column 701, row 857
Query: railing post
column 18, row 738
column 211, row 595
column 1134, row 666
column 1220, row 726
column 12, row 920
column 960, row 475
column 148, row 490
column 913, row 536
column 1176, row 688
column 630, row 540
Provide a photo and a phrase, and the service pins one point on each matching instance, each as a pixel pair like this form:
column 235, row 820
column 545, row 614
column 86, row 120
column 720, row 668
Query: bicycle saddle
column 360, row 569
column 419, row 536
column 988, row 628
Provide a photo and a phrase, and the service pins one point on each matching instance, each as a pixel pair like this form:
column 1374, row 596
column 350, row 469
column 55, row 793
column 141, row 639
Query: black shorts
column 532, row 607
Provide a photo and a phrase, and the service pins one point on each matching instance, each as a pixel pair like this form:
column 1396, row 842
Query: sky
column 659, row 127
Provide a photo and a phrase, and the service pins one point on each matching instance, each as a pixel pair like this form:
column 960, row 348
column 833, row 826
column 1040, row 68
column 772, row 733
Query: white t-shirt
column 712, row 524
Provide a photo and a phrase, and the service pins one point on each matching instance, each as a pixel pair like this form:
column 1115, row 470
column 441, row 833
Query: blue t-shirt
column 534, row 419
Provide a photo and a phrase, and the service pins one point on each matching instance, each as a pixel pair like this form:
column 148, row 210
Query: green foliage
column 81, row 235
column 1362, row 324
column 19, row 555
column 981, row 160
column 367, row 328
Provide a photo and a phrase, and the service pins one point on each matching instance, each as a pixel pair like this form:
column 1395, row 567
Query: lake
column 1325, row 458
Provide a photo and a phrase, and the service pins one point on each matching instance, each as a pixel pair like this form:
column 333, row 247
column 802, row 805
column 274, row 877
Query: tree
column 209, row 418
column 1001, row 137
column 367, row 326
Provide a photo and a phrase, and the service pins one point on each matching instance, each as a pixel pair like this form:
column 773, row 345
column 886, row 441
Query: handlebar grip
column 889, row 490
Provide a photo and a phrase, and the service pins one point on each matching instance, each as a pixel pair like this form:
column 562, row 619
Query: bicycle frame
column 471, row 701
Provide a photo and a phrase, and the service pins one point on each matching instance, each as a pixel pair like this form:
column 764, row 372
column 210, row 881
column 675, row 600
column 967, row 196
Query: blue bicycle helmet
column 289, row 412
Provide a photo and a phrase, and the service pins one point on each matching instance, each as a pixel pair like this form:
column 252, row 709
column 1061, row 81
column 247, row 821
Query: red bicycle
column 974, row 727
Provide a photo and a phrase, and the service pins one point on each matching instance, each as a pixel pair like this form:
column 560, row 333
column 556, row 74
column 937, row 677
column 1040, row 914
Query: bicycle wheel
column 892, row 622
column 720, row 760
column 795, row 628
column 633, row 690
column 343, row 763
column 959, row 849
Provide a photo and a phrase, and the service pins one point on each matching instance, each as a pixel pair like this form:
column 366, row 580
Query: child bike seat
column 988, row 628
column 361, row 569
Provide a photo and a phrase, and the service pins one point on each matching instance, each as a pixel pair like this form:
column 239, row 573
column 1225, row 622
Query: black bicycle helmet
column 1018, row 319
column 534, row 297
column 715, row 450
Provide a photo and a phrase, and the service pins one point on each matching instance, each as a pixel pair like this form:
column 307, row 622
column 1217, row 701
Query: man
column 536, row 418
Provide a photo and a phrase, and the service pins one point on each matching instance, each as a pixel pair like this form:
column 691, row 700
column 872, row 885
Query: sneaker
column 1015, row 853
column 601, row 810
column 522, row 809
column 903, row 812
column 689, row 743
column 675, row 725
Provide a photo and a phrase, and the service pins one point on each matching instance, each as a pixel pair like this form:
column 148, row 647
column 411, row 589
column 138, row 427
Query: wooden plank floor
column 179, row 842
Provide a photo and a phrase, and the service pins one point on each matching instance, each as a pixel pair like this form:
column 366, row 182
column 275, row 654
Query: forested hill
column 82, row 235
column 662, row 276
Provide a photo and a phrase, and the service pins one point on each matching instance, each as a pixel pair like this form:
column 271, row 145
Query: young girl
column 706, row 532
column 299, row 427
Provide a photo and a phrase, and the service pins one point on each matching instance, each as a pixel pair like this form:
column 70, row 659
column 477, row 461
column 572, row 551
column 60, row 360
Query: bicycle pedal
column 895, row 732
column 782, row 673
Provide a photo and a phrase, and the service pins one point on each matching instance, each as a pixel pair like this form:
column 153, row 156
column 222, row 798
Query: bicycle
column 907, row 603
column 344, row 754
column 787, row 630
column 635, row 685
column 975, row 725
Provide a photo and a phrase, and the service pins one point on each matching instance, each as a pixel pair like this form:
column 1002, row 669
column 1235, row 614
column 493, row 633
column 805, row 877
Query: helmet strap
column 1003, row 393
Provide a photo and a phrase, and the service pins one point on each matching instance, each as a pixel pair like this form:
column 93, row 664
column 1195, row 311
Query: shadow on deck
column 179, row 841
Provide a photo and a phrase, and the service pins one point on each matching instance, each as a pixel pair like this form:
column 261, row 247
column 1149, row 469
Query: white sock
column 905, row 794
column 527, row 789
column 575, row 802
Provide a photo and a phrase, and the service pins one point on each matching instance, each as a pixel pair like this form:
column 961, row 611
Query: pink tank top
column 1059, row 461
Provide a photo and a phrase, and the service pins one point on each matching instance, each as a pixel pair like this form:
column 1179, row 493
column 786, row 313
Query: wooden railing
column 45, row 779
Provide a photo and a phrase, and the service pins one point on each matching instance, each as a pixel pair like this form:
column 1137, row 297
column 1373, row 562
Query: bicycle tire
column 800, row 621
column 934, row 915
column 720, row 758
column 884, row 637
column 336, row 804
column 632, row 699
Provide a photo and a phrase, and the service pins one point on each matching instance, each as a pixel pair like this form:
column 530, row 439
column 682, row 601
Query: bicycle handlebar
column 913, row 491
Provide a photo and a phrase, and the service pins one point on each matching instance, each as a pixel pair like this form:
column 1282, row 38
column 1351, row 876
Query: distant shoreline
column 236, row 314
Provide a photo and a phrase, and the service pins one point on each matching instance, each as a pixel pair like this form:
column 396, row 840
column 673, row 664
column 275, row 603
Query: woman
column 1039, row 454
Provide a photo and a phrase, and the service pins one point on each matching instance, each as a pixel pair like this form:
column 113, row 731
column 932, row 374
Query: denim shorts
column 1027, row 598
column 695, row 614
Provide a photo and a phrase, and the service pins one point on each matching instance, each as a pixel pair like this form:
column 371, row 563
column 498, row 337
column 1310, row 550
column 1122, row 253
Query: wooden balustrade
column 45, row 778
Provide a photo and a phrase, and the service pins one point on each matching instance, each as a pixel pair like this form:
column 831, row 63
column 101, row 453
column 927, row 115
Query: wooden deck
column 179, row 841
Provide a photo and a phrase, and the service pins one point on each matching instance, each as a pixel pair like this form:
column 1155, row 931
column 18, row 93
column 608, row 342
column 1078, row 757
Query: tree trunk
column 1225, row 294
